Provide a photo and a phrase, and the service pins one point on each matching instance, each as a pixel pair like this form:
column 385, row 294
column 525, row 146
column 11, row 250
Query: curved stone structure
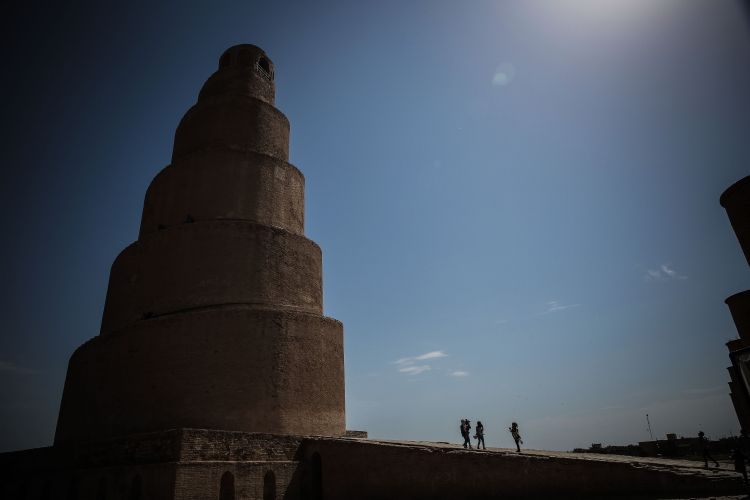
column 213, row 318
column 739, row 307
column 736, row 201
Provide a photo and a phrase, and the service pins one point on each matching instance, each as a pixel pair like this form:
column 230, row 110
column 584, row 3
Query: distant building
column 736, row 201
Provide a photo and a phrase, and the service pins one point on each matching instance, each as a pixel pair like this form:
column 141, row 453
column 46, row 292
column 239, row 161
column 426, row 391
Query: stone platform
column 203, row 464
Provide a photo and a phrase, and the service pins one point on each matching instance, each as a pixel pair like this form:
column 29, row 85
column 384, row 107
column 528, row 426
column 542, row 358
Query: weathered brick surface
column 209, row 263
column 381, row 470
column 201, row 481
column 195, row 461
column 226, row 184
column 239, row 75
column 175, row 464
column 230, row 368
column 84, row 472
column 159, row 447
column 200, row 445
column 233, row 122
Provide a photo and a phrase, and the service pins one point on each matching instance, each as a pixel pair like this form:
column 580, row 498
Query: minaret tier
column 208, row 264
column 736, row 201
column 226, row 185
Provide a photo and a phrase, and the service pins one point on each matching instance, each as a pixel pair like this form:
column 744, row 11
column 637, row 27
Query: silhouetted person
column 466, row 433
column 479, row 435
column 739, row 463
column 704, row 448
column 516, row 435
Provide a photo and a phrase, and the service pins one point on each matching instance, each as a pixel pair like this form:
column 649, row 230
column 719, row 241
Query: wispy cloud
column 410, row 365
column 422, row 357
column 503, row 75
column 459, row 373
column 415, row 369
column 554, row 306
column 431, row 355
column 663, row 273
column 7, row 366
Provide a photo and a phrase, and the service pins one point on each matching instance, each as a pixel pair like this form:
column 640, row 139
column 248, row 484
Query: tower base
column 193, row 464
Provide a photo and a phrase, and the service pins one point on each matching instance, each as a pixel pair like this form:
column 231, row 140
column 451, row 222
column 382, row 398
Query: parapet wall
column 382, row 470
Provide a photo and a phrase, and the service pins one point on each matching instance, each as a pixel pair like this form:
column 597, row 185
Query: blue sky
column 517, row 201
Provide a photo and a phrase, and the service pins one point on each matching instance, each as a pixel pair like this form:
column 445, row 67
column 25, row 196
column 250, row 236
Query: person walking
column 704, row 448
column 466, row 432
column 479, row 434
column 516, row 435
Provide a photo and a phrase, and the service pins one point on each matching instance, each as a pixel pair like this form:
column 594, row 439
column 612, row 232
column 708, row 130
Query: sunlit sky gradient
column 517, row 201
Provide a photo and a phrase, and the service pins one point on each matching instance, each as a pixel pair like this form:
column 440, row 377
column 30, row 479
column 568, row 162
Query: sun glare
column 598, row 14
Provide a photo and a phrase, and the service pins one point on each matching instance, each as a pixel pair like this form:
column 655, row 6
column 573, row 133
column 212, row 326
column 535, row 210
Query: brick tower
column 213, row 317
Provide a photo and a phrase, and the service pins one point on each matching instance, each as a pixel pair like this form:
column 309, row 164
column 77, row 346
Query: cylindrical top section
column 736, row 201
column 244, row 70
column 235, row 110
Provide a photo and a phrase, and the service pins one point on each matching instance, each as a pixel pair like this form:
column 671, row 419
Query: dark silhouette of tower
column 213, row 318
column 736, row 201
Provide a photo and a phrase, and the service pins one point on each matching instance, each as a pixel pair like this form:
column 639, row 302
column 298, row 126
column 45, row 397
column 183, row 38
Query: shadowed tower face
column 213, row 318
column 736, row 201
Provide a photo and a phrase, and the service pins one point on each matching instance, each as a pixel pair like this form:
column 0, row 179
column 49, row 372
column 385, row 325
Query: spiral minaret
column 214, row 316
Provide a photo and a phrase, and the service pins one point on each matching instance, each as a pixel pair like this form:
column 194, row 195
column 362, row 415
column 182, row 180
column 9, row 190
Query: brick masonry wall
column 229, row 368
column 211, row 263
column 370, row 470
column 226, row 184
column 197, row 460
column 201, row 481
column 200, row 445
